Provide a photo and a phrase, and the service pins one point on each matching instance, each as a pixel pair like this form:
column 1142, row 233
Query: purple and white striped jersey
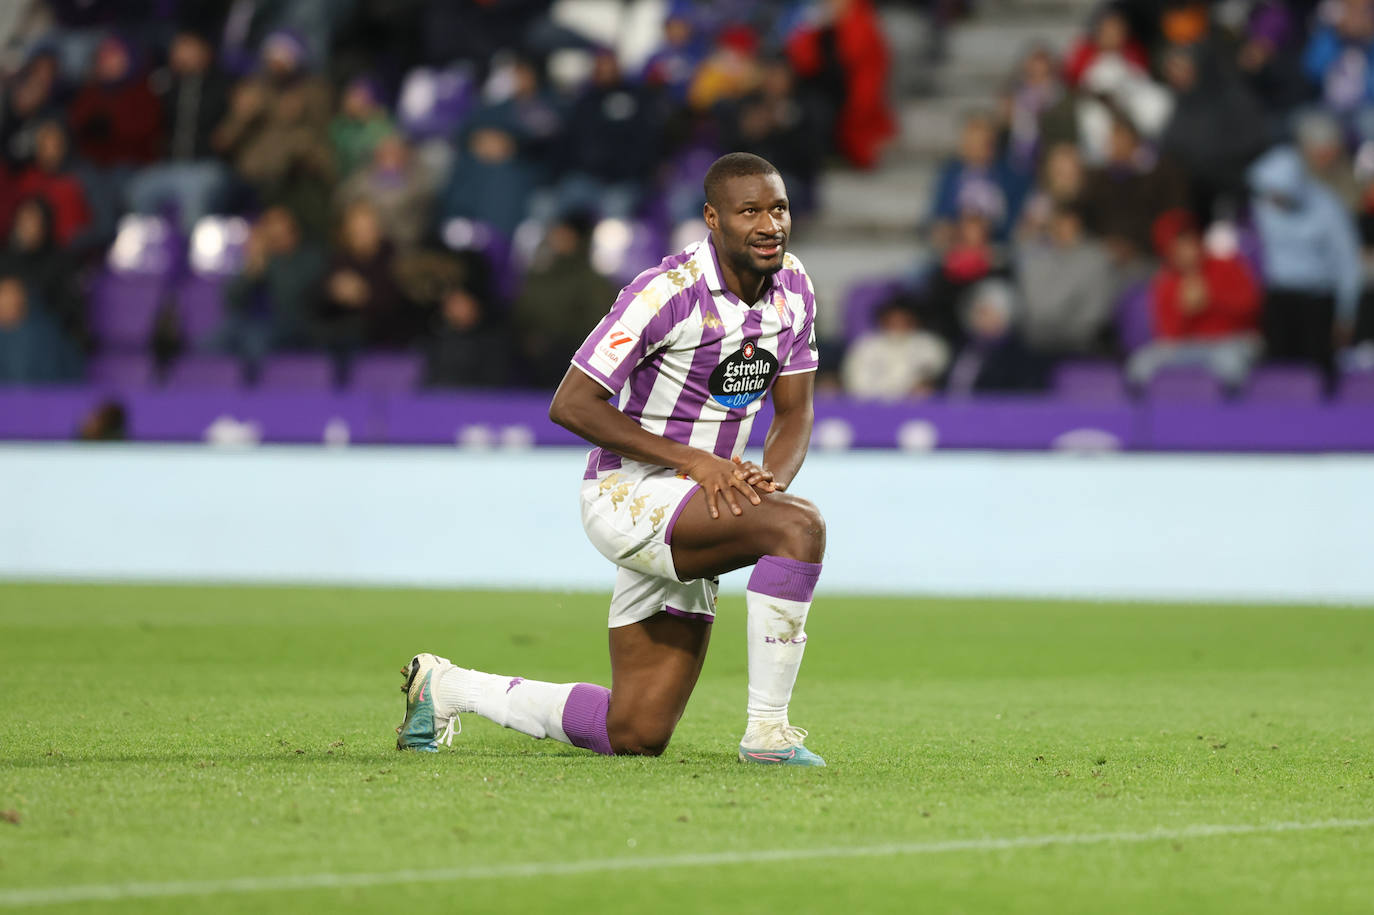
column 690, row 361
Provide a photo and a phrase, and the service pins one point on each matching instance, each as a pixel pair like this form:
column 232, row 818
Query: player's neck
column 748, row 286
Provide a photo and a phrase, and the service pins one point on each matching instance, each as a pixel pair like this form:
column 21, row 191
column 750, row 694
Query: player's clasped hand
column 722, row 479
column 755, row 475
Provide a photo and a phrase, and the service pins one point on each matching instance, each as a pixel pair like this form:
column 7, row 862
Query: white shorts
column 628, row 515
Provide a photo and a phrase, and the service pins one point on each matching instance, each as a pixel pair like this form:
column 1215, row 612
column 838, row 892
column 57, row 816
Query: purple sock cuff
column 789, row 579
column 584, row 718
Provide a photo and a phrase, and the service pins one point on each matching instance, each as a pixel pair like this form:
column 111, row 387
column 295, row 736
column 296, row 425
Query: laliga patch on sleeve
column 612, row 349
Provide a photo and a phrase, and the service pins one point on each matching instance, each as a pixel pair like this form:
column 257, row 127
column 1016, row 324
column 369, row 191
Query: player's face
column 753, row 223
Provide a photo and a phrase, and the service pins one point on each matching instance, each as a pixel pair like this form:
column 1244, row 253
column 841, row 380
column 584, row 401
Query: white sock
column 531, row 707
column 777, row 601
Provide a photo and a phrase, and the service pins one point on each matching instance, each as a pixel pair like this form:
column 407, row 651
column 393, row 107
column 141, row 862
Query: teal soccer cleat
column 420, row 730
column 777, row 745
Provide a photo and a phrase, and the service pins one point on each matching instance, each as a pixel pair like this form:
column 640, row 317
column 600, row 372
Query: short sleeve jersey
column 690, row 361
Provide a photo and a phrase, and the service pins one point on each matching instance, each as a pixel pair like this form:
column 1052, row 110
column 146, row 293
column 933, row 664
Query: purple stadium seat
column 433, row 102
column 463, row 234
column 621, row 249
column 1135, row 323
column 121, row 371
column 145, row 246
column 387, row 373
column 1184, row 384
column 200, row 306
column 1287, row 384
column 1358, row 387
column 297, row 372
column 123, row 306
column 1089, row 382
column 861, row 302
column 217, row 245
column 205, row 372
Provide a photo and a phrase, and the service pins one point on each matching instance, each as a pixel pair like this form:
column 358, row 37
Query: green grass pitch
column 208, row 749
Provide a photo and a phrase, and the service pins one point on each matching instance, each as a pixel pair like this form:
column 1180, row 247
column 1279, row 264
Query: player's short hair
column 733, row 165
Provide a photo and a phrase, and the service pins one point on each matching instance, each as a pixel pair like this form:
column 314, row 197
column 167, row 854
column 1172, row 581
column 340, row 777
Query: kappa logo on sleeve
column 612, row 349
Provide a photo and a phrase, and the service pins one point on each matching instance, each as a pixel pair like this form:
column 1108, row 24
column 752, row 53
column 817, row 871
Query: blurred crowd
column 1187, row 184
column 422, row 175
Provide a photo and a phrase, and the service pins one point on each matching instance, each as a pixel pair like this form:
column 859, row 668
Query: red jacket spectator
column 115, row 118
column 1111, row 34
column 1198, row 296
column 50, row 179
column 865, row 121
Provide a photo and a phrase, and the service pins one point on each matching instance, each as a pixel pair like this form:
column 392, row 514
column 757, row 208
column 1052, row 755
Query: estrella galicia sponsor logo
column 743, row 377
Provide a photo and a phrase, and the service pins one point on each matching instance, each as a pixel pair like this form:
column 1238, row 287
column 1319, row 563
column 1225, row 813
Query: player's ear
column 709, row 214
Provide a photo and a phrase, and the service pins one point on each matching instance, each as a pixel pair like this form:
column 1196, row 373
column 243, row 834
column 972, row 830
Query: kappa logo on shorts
column 743, row 377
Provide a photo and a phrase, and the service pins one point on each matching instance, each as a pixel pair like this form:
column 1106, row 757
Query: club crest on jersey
column 743, row 377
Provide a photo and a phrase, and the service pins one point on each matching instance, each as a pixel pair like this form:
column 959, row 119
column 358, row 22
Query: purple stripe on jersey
column 687, row 411
column 642, row 385
column 689, row 615
column 677, row 513
column 599, row 461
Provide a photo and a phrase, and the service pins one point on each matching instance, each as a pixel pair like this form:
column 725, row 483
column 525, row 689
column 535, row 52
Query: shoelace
column 446, row 737
column 787, row 734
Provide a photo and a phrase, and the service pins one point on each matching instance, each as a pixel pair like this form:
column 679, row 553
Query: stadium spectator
column 276, row 132
column 398, row 186
column 1067, row 286
column 563, row 295
column 850, row 40
column 30, row 100
column 362, row 123
column 773, row 122
column 1216, row 129
column 969, row 258
column 895, row 360
column 469, row 349
column 116, row 121
column 994, row 358
column 48, row 272
column 271, row 301
column 1339, row 57
column 52, row 179
column 1061, row 185
column 1311, row 258
column 977, row 177
column 730, row 71
column 1035, row 90
column 491, row 181
column 1269, row 56
column 520, row 103
column 1108, row 42
column 1319, row 139
column 674, row 63
column 360, row 300
column 1123, row 197
column 32, row 350
column 610, row 145
column 1205, row 307
column 194, row 98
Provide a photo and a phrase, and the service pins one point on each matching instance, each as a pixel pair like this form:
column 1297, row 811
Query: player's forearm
column 603, row 425
column 785, row 447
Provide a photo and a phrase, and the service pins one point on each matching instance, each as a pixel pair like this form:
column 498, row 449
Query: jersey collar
column 709, row 262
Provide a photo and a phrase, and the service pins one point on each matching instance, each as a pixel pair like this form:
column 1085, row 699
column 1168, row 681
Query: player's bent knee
column 801, row 532
column 640, row 738
column 642, row 742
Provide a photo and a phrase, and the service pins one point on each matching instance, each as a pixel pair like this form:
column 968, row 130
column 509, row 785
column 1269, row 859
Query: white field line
column 41, row 896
